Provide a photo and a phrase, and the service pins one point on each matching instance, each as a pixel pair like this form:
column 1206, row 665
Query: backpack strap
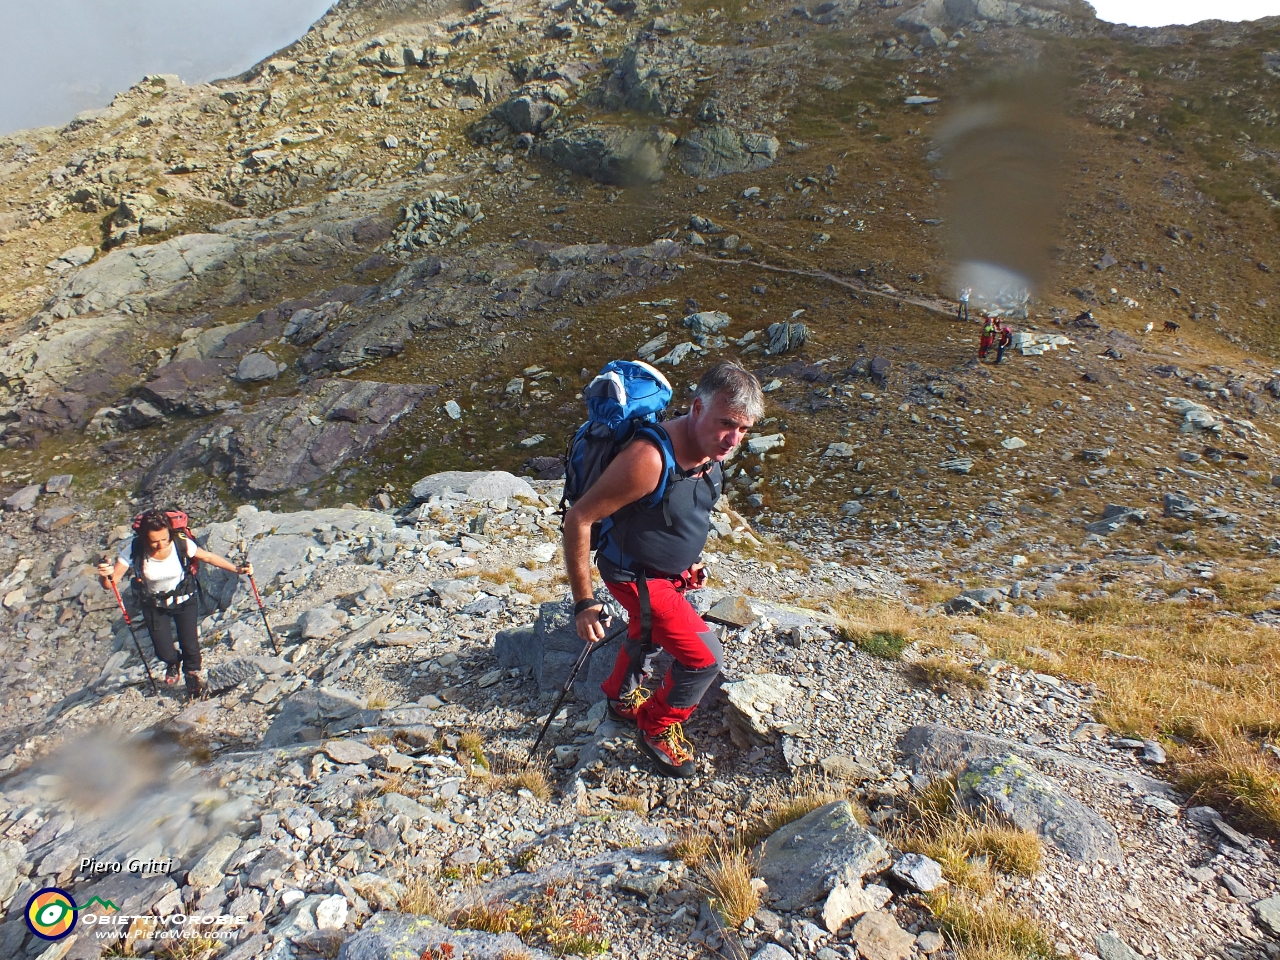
column 646, row 608
column 670, row 469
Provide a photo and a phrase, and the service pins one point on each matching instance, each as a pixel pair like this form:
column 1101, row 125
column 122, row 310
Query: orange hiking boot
column 625, row 709
column 670, row 751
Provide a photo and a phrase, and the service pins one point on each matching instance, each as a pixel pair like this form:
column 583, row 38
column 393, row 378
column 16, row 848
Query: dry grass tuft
column 966, row 848
column 692, row 846
column 194, row 947
column 728, row 874
column 495, row 916
column 1239, row 780
column 401, row 783
column 422, row 899
column 943, row 674
column 534, row 779
column 988, row 930
column 881, row 630
column 633, row 804
column 787, row 804
column 471, row 749
column 544, row 919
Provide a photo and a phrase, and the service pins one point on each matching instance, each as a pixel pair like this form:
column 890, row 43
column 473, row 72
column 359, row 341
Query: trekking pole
column 271, row 636
column 606, row 620
column 129, row 624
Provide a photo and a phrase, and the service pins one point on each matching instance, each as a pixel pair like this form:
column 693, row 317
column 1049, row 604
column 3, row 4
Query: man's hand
column 591, row 623
column 699, row 573
column 245, row 570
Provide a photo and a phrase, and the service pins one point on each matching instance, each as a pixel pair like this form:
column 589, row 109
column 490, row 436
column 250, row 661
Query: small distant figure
column 1149, row 327
column 988, row 337
column 1005, row 341
column 962, row 309
column 1170, row 327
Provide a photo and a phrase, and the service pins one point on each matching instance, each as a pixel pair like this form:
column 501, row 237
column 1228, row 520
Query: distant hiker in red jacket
column 1005, row 341
column 988, row 338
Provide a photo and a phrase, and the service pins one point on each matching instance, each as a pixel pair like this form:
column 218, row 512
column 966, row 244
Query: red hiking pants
column 683, row 634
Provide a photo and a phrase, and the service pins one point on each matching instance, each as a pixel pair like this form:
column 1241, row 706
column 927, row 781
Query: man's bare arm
column 634, row 473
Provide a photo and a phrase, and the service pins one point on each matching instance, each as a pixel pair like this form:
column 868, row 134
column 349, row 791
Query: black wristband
column 586, row 604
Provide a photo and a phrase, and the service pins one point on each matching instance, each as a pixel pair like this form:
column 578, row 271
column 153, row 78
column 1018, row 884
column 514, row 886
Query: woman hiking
column 164, row 563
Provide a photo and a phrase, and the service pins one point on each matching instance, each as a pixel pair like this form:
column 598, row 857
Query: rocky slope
column 401, row 246
column 382, row 744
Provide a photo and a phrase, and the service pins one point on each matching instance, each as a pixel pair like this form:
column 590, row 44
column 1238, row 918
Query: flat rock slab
column 804, row 860
column 551, row 646
column 349, row 751
column 1111, row 947
column 59, row 484
column 311, row 713
column 208, row 869
column 848, row 901
column 23, row 500
column 751, row 702
column 918, row 872
column 934, row 748
column 402, row 936
column 1011, row 789
column 286, row 442
column 879, row 937
column 475, row 484
column 1268, row 913
column 734, row 611
column 192, row 386
column 55, row 518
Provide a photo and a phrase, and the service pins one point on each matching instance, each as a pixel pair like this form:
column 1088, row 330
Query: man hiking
column 962, row 308
column 648, row 556
column 165, row 585
column 1004, row 342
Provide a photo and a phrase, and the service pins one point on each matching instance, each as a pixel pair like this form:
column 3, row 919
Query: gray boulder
column 256, row 367
column 475, row 484
column 786, row 337
column 707, row 322
column 918, row 872
column 805, row 859
column 1268, row 913
column 1179, row 507
column 140, row 415
column 1114, row 516
column 994, row 780
column 612, row 155
column 713, row 151
column 192, row 386
column 550, row 646
column 750, row 709
column 1111, row 947
column 24, row 500
column 391, row 936
column 960, row 605
column 314, row 713
column 527, row 114
column 317, row 623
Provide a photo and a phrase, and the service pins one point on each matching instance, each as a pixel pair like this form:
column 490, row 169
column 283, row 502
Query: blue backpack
column 625, row 401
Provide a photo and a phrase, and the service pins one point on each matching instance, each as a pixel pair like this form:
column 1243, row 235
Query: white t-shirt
column 160, row 576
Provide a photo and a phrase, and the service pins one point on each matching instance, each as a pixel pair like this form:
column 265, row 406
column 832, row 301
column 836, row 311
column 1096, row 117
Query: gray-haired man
column 650, row 556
